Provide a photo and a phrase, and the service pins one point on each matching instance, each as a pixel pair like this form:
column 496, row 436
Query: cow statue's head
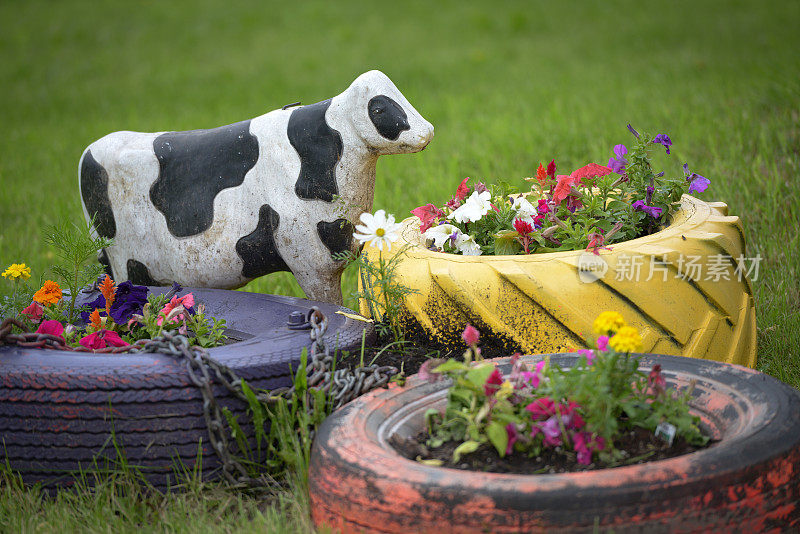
column 383, row 118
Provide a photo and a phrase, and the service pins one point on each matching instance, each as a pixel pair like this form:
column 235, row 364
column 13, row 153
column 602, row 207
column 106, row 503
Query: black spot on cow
column 337, row 236
column 387, row 116
column 320, row 149
column 139, row 274
column 102, row 257
column 257, row 249
column 94, row 190
column 194, row 167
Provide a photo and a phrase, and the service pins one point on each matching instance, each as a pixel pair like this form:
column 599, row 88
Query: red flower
column 551, row 169
column 596, row 242
column 471, row 335
column 564, row 187
column 492, row 383
column 102, row 339
column 522, row 227
column 33, row 312
column 541, row 175
column 51, row 327
column 656, row 382
column 462, row 191
column 428, row 215
column 542, row 408
column 513, row 437
column 589, row 171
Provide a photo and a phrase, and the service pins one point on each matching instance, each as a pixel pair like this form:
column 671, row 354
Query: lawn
column 506, row 84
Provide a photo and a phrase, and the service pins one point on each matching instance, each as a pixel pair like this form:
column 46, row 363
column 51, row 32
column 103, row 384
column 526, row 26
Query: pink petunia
column 51, row 327
column 541, row 408
column 602, row 343
column 590, row 356
column 102, row 339
column 428, row 215
column 511, row 430
column 187, row 301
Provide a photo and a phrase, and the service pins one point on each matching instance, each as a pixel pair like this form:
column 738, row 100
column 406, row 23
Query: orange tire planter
column 748, row 481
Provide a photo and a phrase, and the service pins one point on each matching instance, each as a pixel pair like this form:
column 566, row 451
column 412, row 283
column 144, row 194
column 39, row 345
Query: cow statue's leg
column 313, row 257
column 324, row 286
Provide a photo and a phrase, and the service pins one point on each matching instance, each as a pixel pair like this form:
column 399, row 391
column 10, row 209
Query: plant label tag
column 666, row 432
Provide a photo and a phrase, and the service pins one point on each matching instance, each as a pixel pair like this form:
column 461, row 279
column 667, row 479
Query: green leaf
column 505, row 243
column 301, row 377
column 465, row 448
column 236, row 430
column 478, row 375
column 498, row 437
column 451, row 365
column 435, row 462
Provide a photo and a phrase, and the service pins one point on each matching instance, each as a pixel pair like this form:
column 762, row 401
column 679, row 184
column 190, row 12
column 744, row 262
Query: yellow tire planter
column 546, row 303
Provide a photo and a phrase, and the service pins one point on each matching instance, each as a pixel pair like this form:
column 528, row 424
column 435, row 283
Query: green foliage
column 204, row 331
column 581, row 409
column 20, row 297
column 285, row 447
column 381, row 290
column 75, row 247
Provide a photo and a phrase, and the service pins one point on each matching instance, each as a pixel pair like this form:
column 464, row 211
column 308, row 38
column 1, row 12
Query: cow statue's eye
column 388, row 117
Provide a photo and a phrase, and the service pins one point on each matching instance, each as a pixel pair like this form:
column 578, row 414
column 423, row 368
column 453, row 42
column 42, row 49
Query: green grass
column 506, row 84
column 122, row 504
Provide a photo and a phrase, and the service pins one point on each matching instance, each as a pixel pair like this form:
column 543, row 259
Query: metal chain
column 342, row 385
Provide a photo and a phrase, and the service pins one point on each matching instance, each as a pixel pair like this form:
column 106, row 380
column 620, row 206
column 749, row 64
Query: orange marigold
column 108, row 290
column 50, row 293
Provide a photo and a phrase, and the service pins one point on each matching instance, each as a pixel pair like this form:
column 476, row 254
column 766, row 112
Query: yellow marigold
column 50, row 293
column 607, row 323
column 626, row 340
column 17, row 270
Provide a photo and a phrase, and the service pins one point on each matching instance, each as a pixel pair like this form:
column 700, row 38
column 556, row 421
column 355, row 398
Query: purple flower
column 618, row 164
column 552, row 432
column 130, row 299
column 652, row 211
column 663, row 139
column 649, row 196
column 698, row 183
column 634, row 132
column 99, row 302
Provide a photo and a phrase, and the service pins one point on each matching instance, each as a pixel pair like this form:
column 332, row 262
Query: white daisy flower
column 441, row 233
column 377, row 230
column 476, row 206
column 466, row 244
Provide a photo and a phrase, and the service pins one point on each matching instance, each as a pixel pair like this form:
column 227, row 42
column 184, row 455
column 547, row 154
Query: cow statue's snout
column 280, row 192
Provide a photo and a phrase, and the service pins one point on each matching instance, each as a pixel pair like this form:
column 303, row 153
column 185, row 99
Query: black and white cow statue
column 220, row 207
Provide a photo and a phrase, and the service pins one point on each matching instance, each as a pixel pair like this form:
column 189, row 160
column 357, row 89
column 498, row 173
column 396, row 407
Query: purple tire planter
column 59, row 410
